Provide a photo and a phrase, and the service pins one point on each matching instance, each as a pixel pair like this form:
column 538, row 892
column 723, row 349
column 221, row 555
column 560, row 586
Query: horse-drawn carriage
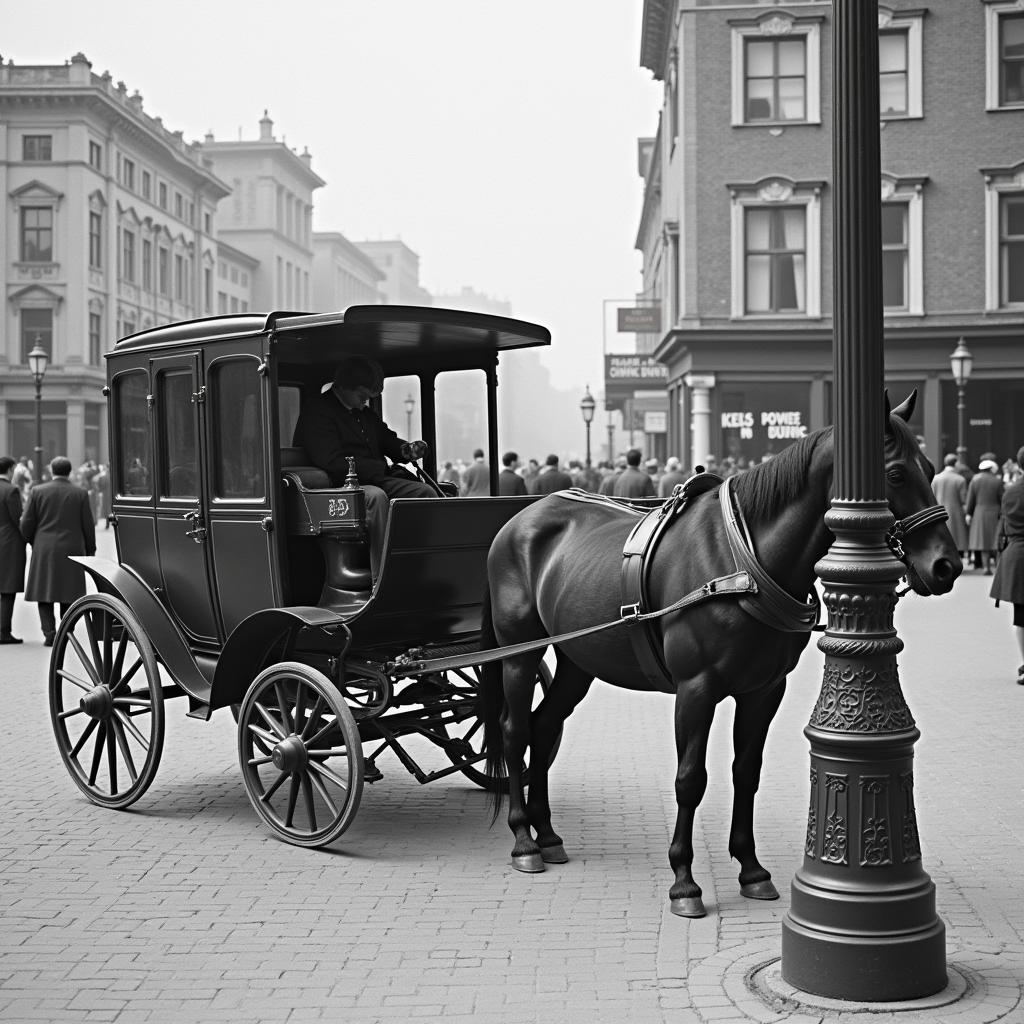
column 243, row 580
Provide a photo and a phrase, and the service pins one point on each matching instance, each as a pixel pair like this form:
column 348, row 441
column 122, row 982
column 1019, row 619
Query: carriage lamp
column 37, row 360
column 410, row 404
column 587, row 406
column 961, row 362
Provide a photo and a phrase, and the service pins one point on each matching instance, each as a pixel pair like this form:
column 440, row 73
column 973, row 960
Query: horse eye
column 895, row 476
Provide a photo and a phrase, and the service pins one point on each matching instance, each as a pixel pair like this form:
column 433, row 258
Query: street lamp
column 410, row 404
column 961, row 362
column 37, row 360
column 587, row 406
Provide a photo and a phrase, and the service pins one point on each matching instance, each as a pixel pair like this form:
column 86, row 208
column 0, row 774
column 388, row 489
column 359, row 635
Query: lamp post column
column 961, row 424
column 39, row 427
column 862, row 923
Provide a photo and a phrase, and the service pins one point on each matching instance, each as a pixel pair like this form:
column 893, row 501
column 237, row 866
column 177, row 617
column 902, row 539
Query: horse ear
column 888, row 411
column 906, row 409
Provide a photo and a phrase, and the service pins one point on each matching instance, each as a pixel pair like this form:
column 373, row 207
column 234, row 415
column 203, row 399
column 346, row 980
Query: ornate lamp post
column 37, row 360
column 410, row 404
column 961, row 362
column 587, row 406
column 611, row 437
column 862, row 922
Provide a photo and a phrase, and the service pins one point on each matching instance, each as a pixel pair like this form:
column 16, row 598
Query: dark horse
column 555, row 568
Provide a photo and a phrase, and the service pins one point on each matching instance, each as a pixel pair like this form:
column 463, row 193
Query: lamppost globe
column 37, row 360
column 587, row 406
column 961, row 362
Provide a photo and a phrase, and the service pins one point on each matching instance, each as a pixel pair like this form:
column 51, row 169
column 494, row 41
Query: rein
column 904, row 527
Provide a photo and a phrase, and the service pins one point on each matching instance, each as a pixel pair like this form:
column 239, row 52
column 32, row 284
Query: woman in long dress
column 984, row 494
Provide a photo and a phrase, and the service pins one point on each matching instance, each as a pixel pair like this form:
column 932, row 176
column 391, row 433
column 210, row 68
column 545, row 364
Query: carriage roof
column 402, row 338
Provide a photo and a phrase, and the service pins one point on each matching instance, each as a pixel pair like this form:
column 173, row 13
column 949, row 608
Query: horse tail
column 491, row 700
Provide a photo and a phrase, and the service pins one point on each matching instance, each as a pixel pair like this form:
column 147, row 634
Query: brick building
column 735, row 229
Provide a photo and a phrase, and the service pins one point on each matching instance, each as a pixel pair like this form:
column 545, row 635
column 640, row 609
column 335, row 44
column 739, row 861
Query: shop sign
column 639, row 319
column 655, row 422
column 634, row 371
column 776, row 425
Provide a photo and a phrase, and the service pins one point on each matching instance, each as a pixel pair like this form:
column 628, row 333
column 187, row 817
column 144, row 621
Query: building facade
column 401, row 269
column 736, row 233
column 343, row 275
column 269, row 214
column 108, row 229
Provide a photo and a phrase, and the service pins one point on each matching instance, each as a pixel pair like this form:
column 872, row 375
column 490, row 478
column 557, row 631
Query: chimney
column 306, row 157
column 80, row 69
column 266, row 128
column 208, row 137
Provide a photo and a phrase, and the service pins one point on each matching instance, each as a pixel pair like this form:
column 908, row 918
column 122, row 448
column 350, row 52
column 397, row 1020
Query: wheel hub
column 97, row 703
column 290, row 754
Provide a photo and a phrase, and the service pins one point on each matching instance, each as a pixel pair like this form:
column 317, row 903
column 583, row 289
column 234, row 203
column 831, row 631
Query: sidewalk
column 185, row 909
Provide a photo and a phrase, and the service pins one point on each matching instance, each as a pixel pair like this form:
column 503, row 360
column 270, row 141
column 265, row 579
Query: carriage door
column 181, row 499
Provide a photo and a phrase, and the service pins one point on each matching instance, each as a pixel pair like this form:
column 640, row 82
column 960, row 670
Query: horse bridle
column 905, row 527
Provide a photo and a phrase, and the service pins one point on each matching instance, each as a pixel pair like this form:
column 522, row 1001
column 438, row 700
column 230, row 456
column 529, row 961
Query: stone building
column 343, row 275
column 401, row 268
column 736, row 232
column 108, row 229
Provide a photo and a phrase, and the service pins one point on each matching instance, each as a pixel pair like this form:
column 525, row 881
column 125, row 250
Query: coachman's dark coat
column 12, row 544
column 57, row 522
column 1008, row 584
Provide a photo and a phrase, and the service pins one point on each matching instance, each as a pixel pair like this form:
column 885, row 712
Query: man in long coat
column 12, row 550
column 984, row 494
column 1009, row 582
column 57, row 522
column 950, row 490
column 633, row 482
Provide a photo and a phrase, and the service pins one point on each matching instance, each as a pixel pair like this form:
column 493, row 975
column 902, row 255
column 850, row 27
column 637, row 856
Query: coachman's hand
column 414, row 450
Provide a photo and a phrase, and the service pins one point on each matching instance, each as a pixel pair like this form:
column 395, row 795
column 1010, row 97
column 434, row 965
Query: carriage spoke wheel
column 468, row 733
column 300, row 754
column 106, row 703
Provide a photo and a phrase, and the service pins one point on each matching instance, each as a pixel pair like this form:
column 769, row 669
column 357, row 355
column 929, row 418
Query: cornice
column 654, row 36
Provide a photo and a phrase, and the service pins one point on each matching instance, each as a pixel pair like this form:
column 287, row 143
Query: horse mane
column 764, row 491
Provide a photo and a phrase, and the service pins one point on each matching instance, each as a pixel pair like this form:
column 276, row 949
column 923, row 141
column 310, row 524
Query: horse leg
column 754, row 714
column 568, row 688
column 520, row 677
column 695, row 708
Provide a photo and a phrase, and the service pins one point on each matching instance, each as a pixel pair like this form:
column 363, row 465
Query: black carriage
column 243, row 579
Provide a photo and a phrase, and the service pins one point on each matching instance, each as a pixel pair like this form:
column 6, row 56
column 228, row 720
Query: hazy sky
column 497, row 139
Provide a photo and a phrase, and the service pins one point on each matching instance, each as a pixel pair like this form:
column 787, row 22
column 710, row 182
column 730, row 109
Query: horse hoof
column 688, row 906
column 530, row 863
column 760, row 890
column 554, row 854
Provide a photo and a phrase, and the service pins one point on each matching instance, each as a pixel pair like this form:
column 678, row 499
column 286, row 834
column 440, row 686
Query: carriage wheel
column 469, row 733
column 300, row 753
column 106, row 703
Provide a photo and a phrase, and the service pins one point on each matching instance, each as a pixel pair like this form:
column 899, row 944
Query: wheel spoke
column 282, row 707
column 84, row 659
column 307, row 795
column 112, row 759
column 314, row 716
column 477, row 725
column 118, row 660
column 128, row 724
column 326, row 772
column 71, row 678
column 293, row 794
column 126, row 753
column 311, row 742
column 101, row 742
column 87, row 732
column 275, row 725
column 263, row 735
column 300, row 706
column 268, row 793
column 329, row 752
column 70, row 712
column 90, row 629
column 324, row 795
column 108, row 624
column 255, row 762
column 126, row 678
column 135, row 702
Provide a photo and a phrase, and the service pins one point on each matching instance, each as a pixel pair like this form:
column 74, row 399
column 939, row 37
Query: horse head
column 920, row 538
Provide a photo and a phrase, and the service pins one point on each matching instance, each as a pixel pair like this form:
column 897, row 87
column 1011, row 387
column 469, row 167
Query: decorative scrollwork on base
column 911, row 837
column 861, row 699
column 835, row 835
column 811, row 842
column 875, row 838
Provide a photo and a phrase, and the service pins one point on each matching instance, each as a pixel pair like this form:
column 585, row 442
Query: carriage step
column 371, row 773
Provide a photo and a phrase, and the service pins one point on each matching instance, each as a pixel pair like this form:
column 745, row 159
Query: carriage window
column 289, row 401
column 178, row 437
column 402, row 406
column 237, row 430
column 132, row 418
column 461, row 417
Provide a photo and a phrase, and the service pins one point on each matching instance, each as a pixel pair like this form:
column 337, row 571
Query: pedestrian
column 449, row 474
column 57, row 522
column 672, row 477
column 509, row 481
column 633, row 482
column 102, row 481
column 1008, row 584
column 950, row 490
column 984, row 494
column 476, row 481
column 651, row 466
column 551, row 478
column 22, row 477
column 530, row 474
column 12, row 550
column 607, row 485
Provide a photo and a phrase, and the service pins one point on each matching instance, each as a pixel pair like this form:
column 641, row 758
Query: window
column 36, row 328
column 128, row 255
column 776, row 70
column 895, row 255
column 1004, row 49
column 128, row 173
column 161, row 194
column 243, row 307
column 234, row 304
column 222, row 302
column 238, row 430
column 207, row 223
column 222, row 269
column 36, row 234
column 899, row 63
column 147, row 264
column 192, row 213
column 95, row 338
column 234, row 275
column 147, row 184
column 207, row 289
column 163, row 271
column 132, row 458
column 179, row 278
column 178, row 437
column 1011, row 250
column 245, row 280
column 96, row 156
column 178, row 205
column 95, row 240
column 37, row 147
column 776, row 248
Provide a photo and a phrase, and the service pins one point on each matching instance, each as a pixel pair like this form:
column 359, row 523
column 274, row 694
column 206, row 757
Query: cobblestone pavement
column 185, row 908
